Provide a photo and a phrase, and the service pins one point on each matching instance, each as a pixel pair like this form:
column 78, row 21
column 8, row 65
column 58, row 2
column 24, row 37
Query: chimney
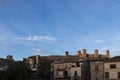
column 107, row 54
column 78, row 53
column 84, row 52
column 66, row 53
column 96, row 53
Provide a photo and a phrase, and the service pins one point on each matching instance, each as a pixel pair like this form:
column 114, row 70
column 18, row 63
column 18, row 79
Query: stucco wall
column 97, row 74
column 113, row 73
column 78, row 69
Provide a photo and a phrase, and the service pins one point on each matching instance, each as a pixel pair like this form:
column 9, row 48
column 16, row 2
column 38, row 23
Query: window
column 72, row 66
column 106, row 75
column 118, row 75
column 65, row 73
column 112, row 66
column 96, row 68
column 77, row 64
column 75, row 73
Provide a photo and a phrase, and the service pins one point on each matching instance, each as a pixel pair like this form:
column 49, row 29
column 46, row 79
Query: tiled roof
column 74, row 58
column 67, row 59
column 113, row 59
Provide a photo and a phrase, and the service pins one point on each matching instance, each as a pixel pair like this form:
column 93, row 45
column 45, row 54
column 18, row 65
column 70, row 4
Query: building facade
column 97, row 70
column 70, row 70
column 97, row 65
column 82, row 66
column 33, row 62
column 112, row 69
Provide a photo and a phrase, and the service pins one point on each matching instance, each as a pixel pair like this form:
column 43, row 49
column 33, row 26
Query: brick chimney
column 66, row 53
column 96, row 53
column 107, row 54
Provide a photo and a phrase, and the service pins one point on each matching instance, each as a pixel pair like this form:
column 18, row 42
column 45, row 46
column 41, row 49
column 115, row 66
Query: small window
column 75, row 73
column 118, row 75
column 106, row 75
column 112, row 66
column 96, row 68
column 77, row 64
column 72, row 66
column 65, row 73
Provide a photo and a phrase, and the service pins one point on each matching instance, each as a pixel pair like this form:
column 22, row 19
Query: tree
column 1, row 74
column 44, row 70
column 17, row 71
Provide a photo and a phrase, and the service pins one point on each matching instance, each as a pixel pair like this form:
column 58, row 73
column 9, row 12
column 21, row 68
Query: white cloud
column 40, row 38
column 99, row 41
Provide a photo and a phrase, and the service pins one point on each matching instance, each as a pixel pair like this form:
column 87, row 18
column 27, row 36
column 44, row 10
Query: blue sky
column 50, row 27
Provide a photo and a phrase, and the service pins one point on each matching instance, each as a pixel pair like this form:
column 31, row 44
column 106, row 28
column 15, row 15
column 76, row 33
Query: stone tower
column 96, row 53
column 37, row 59
column 84, row 53
column 107, row 54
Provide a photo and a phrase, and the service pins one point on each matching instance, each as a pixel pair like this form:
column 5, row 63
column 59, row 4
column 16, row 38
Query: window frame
column 112, row 66
column 107, row 75
column 118, row 75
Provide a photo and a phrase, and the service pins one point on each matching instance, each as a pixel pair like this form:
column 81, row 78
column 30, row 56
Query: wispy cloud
column 99, row 41
column 40, row 38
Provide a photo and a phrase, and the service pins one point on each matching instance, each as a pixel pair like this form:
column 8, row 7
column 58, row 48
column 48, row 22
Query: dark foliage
column 44, row 70
column 17, row 71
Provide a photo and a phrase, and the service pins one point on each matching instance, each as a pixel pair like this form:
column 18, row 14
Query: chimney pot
column 67, row 53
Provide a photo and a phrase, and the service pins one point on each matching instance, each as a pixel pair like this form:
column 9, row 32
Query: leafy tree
column 17, row 71
column 44, row 70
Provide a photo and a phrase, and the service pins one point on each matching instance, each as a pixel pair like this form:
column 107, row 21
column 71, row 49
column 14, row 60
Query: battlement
column 96, row 54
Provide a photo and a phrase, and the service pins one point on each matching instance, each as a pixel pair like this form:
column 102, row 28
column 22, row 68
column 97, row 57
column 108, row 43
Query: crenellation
column 84, row 53
column 82, row 66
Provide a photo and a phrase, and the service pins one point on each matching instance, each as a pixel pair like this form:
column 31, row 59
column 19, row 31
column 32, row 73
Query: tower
column 66, row 53
column 96, row 53
column 84, row 53
column 107, row 54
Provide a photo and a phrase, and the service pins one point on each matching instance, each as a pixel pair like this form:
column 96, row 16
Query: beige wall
column 113, row 73
column 60, row 68
column 62, row 65
column 107, row 65
column 60, row 74
column 66, row 67
column 97, row 74
column 78, row 69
